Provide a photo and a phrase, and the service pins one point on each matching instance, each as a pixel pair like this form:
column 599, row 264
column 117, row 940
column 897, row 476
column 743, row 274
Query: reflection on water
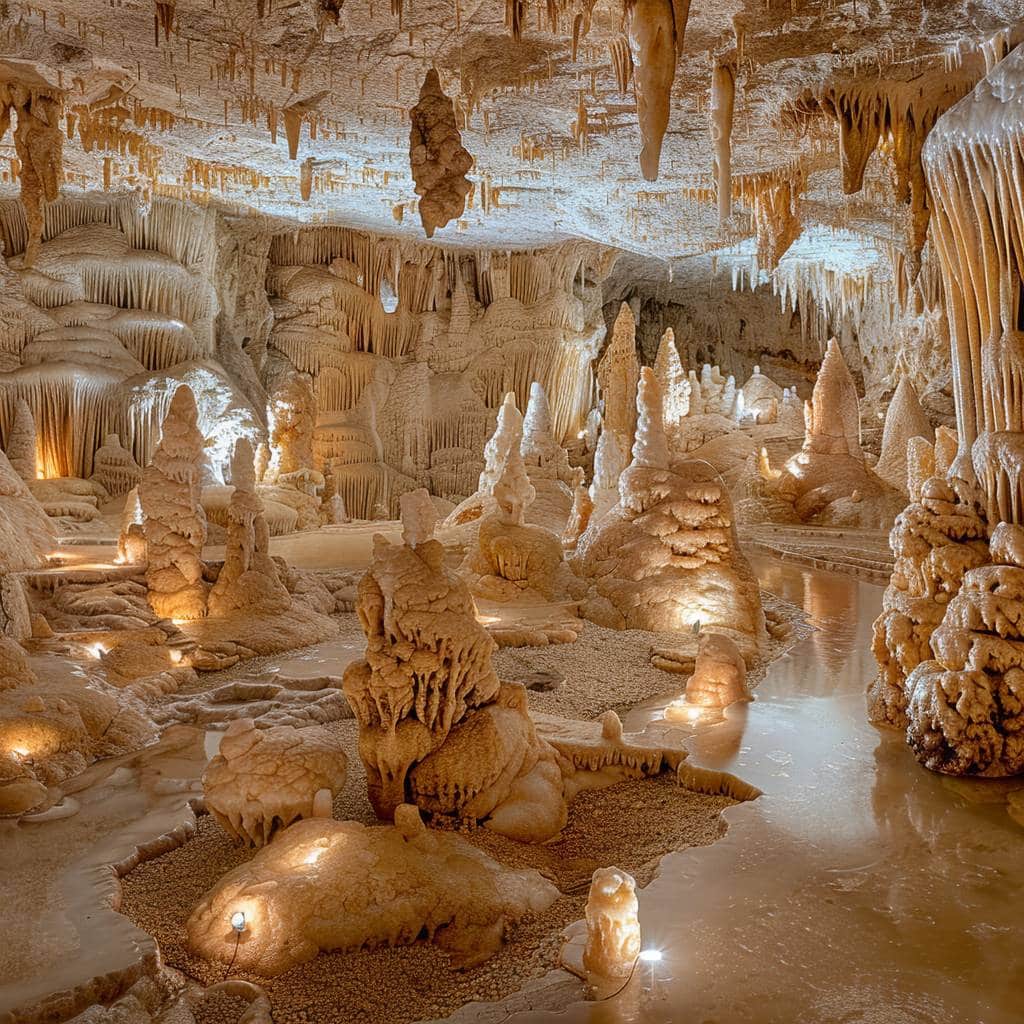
column 859, row 888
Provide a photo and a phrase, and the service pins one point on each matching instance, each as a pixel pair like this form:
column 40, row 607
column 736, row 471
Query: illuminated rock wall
column 412, row 349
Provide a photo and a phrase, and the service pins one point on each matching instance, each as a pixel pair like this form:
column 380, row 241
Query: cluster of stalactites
column 974, row 167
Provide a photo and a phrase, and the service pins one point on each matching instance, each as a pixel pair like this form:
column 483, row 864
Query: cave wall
column 712, row 322
column 411, row 349
column 408, row 348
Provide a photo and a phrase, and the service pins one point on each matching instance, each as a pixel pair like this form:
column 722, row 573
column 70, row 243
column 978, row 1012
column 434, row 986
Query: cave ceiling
column 198, row 98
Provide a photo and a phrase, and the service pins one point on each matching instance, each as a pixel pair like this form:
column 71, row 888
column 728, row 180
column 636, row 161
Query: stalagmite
column 672, row 381
column 613, row 925
column 173, row 520
column 248, row 581
column 666, row 555
column 114, row 467
column 904, row 420
column 451, row 737
column 828, row 481
column 438, row 160
column 609, row 462
column 650, row 449
column 21, row 442
column 723, row 96
column 618, row 375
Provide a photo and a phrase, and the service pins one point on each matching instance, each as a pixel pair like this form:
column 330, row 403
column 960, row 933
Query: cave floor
column 858, row 888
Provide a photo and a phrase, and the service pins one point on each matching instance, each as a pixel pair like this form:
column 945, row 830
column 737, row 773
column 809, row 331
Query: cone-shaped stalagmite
column 174, row 523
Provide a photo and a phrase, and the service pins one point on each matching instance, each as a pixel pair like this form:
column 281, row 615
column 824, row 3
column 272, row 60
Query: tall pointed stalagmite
column 672, row 380
column 618, row 374
column 173, row 519
column 21, row 442
column 904, row 419
column 650, row 448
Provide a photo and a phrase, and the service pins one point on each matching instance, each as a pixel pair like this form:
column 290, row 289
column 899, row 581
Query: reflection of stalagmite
column 723, row 97
column 174, row 525
column 438, row 159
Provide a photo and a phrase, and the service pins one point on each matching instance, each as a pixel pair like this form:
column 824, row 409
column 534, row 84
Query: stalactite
column 974, row 168
column 437, row 158
column 652, row 34
column 723, row 96
column 163, row 19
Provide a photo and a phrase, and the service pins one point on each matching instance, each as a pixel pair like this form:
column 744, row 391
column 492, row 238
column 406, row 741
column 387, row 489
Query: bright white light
column 649, row 956
column 314, row 855
column 98, row 650
column 19, row 752
column 238, row 921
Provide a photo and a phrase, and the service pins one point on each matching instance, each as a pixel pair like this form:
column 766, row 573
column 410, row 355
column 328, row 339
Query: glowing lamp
column 238, row 921
column 649, row 956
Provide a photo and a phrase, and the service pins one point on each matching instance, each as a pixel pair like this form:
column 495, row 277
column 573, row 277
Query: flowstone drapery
column 948, row 643
column 262, row 780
